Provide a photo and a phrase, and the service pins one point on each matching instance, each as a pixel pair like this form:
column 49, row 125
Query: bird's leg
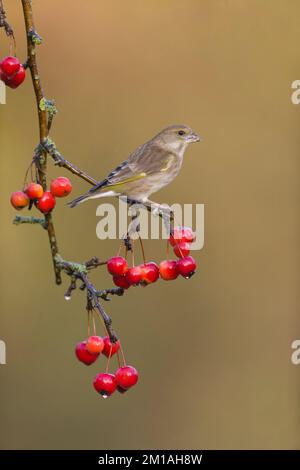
column 127, row 242
column 134, row 227
column 154, row 207
column 137, row 227
column 162, row 210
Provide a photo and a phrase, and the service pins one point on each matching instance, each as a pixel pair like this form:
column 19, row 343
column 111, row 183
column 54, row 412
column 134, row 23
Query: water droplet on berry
column 104, row 395
column 67, row 297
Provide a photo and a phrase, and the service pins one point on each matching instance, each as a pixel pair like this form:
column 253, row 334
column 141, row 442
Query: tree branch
column 46, row 111
column 43, row 124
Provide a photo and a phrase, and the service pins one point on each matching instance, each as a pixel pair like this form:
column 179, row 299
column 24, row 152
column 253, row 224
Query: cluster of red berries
column 180, row 239
column 44, row 200
column 105, row 383
column 12, row 72
column 147, row 273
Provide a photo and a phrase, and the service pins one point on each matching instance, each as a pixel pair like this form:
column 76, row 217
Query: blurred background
column 213, row 353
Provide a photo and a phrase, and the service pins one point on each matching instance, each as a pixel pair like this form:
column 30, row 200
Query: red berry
column 95, row 344
column 121, row 281
column 105, row 384
column 9, row 66
column 16, row 79
column 186, row 266
column 134, row 275
column 126, row 377
column 150, row 272
column 19, row 200
column 110, row 348
column 61, row 187
column 168, row 270
column 117, row 265
column 34, row 191
column 46, row 203
column 182, row 249
column 181, row 234
column 84, row 355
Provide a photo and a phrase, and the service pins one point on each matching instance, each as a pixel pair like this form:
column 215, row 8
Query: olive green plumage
column 150, row 167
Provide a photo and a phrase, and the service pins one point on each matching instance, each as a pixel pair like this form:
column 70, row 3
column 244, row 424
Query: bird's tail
column 79, row 200
column 91, row 195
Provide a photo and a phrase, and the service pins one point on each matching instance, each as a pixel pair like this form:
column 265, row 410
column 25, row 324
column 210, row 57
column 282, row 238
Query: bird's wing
column 151, row 158
column 120, row 175
column 145, row 161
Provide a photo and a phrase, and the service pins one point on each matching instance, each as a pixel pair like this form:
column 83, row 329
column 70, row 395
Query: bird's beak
column 193, row 137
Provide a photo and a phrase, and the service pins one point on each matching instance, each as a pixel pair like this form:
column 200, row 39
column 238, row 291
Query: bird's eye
column 181, row 133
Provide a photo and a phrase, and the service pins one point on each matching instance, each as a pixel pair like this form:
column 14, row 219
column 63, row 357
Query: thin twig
column 78, row 271
column 94, row 263
column 93, row 297
column 59, row 160
column 3, row 21
column 104, row 294
column 25, row 219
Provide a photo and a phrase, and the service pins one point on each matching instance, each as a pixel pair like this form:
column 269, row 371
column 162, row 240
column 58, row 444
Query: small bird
column 149, row 168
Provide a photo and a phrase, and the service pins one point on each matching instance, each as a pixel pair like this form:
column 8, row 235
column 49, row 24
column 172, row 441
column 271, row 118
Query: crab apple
column 95, row 344
column 105, row 384
column 121, row 281
column 16, row 79
column 186, row 266
column 61, row 187
column 19, row 200
column 34, row 191
column 83, row 355
column 134, row 275
column 10, row 65
column 181, row 234
column 110, row 348
column 168, row 270
column 126, row 377
column 46, row 203
column 117, row 265
column 150, row 272
column 182, row 249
